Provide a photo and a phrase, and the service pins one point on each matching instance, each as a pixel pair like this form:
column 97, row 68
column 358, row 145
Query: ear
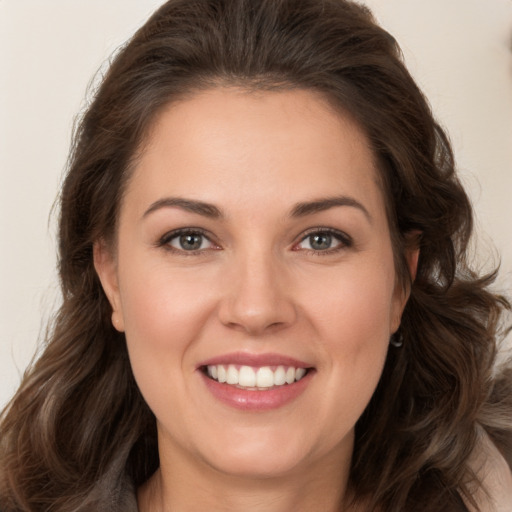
column 411, row 257
column 105, row 265
column 411, row 254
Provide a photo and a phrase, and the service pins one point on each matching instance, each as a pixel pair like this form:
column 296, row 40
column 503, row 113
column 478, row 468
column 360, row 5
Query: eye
column 187, row 240
column 324, row 240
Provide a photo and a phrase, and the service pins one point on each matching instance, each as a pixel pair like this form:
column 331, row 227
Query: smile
column 256, row 382
column 255, row 378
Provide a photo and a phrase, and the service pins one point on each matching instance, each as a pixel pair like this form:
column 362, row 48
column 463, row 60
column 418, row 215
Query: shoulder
column 496, row 476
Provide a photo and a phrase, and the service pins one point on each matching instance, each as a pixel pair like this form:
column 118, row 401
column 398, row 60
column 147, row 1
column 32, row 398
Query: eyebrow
column 320, row 205
column 189, row 205
column 299, row 210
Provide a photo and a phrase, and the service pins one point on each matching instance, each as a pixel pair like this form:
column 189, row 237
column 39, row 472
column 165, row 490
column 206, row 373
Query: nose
column 256, row 298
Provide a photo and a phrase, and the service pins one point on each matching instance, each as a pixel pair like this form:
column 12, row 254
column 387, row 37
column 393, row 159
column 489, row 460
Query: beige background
column 458, row 50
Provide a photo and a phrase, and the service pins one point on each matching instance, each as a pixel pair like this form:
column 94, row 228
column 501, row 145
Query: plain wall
column 458, row 50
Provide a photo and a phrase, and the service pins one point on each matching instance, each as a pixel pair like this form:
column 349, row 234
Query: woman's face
column 254, row 279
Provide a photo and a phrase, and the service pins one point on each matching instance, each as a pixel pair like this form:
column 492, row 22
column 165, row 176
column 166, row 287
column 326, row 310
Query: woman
column 266, row 301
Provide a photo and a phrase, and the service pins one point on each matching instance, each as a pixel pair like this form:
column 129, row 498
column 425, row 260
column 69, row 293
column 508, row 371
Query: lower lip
column 253, row 400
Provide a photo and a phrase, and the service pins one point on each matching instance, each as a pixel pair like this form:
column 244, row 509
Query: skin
column 256, row 285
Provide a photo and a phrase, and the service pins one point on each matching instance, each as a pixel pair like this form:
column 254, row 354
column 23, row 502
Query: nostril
column 255, row 321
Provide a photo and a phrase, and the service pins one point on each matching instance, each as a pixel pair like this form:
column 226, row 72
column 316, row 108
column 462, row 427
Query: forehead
column 228, row 144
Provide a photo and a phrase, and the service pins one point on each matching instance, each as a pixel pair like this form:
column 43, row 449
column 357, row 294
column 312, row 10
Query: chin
column 264, row 454
column 257, row 466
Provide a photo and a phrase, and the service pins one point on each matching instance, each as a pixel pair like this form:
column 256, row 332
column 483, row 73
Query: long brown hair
column 78, row 429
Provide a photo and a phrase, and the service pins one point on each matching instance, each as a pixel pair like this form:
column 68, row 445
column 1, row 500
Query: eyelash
column 165, row 241
column 345, row 241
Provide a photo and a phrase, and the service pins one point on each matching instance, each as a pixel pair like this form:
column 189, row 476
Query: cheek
column 352, row 322
column 358, row 335
column 163, row 308
column 354, row 307
column 163, row 313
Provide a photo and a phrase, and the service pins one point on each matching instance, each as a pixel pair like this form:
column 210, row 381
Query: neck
column 181, row 486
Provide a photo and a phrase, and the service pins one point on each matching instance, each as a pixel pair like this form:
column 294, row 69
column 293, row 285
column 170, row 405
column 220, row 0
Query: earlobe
column 106, row 268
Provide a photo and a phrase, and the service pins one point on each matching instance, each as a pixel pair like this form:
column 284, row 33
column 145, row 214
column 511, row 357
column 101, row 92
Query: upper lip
column 255, row 360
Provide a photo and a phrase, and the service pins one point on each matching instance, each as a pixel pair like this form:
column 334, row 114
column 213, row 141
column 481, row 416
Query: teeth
column 299, row 373
column 221, row 373
column 279, row 376
column 246, row 377
column 232, row 375
column 264, row 377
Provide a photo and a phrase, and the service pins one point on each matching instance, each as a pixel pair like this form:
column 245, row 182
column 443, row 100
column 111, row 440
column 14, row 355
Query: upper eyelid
column 331, row 231
column 345, row 242
column 180, row 231
column 165, row 243
column 339, row 234
column 172, row 234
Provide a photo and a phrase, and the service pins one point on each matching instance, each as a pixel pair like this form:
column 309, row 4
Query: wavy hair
column 78, row 429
